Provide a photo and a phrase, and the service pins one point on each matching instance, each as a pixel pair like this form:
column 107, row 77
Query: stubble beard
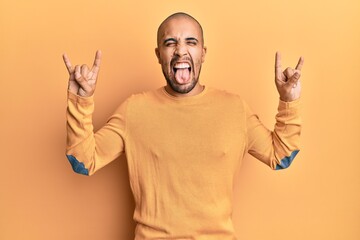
column 182, row 89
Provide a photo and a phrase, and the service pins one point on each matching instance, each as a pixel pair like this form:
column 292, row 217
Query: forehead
column 180, row 27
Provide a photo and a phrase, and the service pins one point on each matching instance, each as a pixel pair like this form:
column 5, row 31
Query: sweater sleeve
column 279, row 147
column 87, row 151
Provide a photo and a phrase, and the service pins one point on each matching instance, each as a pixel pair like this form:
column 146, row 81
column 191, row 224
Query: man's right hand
column 82, row 80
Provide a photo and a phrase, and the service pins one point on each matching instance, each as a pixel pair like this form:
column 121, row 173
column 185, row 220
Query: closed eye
column 170, row 42
column 192, row 43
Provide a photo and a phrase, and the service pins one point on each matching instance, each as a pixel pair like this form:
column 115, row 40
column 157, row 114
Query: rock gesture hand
column 82, row 80
column 287, row 81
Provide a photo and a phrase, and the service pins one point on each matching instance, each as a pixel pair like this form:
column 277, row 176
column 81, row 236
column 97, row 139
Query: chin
column 183, row 89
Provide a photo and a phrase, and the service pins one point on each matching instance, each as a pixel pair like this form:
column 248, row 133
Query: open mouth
column 182, row 72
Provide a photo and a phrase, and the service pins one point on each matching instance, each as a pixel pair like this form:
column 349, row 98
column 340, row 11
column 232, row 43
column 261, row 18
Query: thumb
column 294, row 78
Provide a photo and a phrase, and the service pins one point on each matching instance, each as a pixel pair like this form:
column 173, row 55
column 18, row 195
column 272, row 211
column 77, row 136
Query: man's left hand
column 288, row 81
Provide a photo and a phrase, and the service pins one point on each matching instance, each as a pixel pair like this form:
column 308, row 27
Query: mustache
column 177, row 58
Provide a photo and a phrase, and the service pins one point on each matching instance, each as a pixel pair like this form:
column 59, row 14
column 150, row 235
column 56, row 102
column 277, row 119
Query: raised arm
column 87, row 151
column 279, row 147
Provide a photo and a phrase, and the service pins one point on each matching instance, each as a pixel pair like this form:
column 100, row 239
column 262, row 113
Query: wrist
column 80, row 99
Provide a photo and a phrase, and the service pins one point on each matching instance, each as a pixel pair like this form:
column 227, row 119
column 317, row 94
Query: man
column 183, row 142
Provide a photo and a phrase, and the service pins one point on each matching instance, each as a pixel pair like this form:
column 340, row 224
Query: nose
column 180, row 50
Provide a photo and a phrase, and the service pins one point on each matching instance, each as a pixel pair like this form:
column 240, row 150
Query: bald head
column 178, row 15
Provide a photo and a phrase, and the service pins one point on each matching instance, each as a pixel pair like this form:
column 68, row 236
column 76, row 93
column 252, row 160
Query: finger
column 278, row 70
column 300, row 64
column 96, row 66
column 84, row 70
column 81, row 80
column 77, row 72
column 67, row 63
column 289, row 72
column 295, row 78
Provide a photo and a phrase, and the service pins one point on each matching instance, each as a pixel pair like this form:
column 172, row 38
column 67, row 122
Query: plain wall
column 42, row 198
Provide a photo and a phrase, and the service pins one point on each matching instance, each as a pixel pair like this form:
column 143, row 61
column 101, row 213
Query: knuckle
column 78, row 77
column 297, row 75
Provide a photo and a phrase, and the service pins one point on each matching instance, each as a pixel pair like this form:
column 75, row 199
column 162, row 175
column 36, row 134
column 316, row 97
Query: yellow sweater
column 182, row 155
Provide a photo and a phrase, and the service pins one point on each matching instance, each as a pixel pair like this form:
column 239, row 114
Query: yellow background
column 318, row 197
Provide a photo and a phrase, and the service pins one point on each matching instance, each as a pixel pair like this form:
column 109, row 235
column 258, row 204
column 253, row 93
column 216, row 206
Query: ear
column 157, row 52
column 204, row 50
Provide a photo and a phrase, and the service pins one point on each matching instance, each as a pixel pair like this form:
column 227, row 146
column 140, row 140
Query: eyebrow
column 191, row 39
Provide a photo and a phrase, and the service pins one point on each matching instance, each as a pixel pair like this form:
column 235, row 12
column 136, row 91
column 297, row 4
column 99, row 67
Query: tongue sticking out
column 182, row 75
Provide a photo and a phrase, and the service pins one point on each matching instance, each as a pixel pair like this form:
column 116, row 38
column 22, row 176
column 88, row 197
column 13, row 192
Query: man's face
column 181, row 52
